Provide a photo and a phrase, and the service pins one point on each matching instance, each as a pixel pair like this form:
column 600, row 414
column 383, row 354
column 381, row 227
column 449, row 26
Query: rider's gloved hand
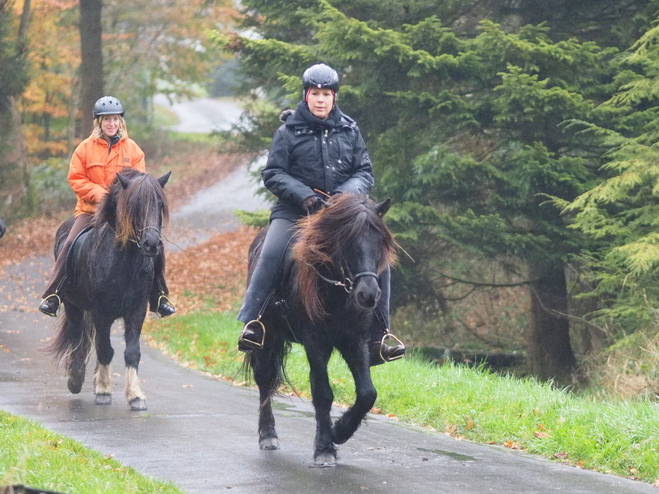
column 312, row 204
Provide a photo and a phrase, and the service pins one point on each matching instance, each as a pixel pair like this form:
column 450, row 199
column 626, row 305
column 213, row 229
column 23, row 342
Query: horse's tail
column 73, row 339
column 275, row 360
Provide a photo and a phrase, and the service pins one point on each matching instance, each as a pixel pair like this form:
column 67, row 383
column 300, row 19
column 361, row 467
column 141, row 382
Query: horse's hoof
column 324, row 460
column 103, row 399
column 269, row 443
column 137, row 404
column 74, row 385
column 76, row 377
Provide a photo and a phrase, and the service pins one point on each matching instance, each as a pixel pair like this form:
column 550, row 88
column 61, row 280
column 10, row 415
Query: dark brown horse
column 326, row 302
column 109, row 276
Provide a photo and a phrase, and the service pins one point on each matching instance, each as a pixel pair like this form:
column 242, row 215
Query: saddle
column 74, row 253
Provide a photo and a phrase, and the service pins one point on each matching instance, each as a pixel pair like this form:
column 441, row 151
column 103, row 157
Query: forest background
column 517, row 140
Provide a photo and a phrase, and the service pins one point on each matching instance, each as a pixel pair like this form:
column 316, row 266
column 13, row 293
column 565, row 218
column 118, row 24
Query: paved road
column 201, row 115
column 201, row 433
column 212, row 210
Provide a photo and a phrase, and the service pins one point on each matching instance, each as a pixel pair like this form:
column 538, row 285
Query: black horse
column 326, row 301
column 110, row 273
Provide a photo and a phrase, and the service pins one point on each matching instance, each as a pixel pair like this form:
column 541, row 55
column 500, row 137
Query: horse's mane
column 124, row 209
column 323, row 238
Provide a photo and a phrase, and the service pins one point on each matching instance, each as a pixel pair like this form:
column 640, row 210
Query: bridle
column 348, row 282
column 142, row 230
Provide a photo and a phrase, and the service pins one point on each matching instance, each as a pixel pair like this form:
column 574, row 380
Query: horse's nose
column 151, row 245
column 367, row 293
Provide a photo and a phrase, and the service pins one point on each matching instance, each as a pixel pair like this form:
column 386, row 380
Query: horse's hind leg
column 266, row 366
column 134, row 395
column 76, row 360
column 104, row 354
column 357, row 359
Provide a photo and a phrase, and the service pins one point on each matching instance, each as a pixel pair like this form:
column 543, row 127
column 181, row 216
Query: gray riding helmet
column 108, row 105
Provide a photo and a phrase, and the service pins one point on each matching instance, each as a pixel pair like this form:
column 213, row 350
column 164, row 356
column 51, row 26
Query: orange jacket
column 94, row 167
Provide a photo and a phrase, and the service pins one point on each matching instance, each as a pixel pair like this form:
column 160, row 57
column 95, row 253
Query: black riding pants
column 269, row 268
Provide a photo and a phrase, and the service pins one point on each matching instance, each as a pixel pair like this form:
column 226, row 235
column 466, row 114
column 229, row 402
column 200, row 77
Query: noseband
column 137, row 240
column 348, row 281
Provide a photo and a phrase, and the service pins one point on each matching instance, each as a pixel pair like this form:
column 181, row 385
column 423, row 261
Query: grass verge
column 33, row 456
column 616, row 437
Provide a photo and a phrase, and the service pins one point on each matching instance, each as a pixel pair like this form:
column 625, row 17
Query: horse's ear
column 123, row 180
column 163, row 180
column 383, row 207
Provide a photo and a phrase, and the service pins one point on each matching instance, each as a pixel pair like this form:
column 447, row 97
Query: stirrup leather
column 385, row 337
column 251, row 342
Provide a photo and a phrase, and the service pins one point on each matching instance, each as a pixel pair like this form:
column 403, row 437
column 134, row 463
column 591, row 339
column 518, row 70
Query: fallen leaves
column 212, row 275
column 512, row 445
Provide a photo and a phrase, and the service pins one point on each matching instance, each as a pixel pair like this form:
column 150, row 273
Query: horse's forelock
column 133, row 203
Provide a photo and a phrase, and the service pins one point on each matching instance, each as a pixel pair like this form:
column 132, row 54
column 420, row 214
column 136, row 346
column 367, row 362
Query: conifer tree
column 465, row 127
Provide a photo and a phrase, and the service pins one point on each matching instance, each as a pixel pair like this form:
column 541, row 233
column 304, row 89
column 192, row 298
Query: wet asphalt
column 201, row 433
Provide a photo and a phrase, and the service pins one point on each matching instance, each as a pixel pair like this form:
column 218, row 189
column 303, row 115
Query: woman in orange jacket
column 94, row 166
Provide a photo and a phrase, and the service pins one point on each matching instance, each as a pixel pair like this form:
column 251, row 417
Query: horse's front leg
column 104, row 355
column 133, row 329
column 357, row 359
column 322, row 398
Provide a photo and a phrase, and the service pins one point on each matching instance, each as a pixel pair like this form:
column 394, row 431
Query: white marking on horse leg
column 102, row 380
column 132, row 385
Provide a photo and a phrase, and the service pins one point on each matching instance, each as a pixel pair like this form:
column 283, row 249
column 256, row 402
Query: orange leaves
column 512, row 445
column 541, row 432
column 214, row 272
column 453, row 430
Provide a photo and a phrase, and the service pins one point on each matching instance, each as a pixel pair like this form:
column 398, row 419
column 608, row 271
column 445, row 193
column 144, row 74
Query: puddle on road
column 455, row 456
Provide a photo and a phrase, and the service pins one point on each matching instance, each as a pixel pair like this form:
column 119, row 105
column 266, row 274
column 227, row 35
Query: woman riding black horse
column 318, row 152
column 94, row 166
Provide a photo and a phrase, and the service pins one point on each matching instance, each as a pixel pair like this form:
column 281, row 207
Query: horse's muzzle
column 151, row 245
column 366, row 292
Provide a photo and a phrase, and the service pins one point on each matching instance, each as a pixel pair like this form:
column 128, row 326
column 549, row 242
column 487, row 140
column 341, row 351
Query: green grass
column 612, row 436
column 33, row 456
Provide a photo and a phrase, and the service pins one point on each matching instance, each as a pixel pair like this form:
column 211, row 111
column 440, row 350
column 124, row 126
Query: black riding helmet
column 320, row 76
column 108, row 105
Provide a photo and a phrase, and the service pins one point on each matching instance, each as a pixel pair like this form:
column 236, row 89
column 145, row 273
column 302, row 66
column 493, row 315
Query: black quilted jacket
column 308, row 153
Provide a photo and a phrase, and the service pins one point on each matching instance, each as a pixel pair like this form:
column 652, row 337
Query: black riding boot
column 158, row 300
column 383, row 346
column 50, row 304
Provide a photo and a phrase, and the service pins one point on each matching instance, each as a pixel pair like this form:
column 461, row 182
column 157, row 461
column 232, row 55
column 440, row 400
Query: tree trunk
column 549, row 351
column 13, row 154
column 91, row 67
column 13, row 162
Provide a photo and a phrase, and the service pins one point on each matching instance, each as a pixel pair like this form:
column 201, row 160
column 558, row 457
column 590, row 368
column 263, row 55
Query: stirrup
column 251, row 344
column 385, row 337
column 168, row 301
column 59, row 303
